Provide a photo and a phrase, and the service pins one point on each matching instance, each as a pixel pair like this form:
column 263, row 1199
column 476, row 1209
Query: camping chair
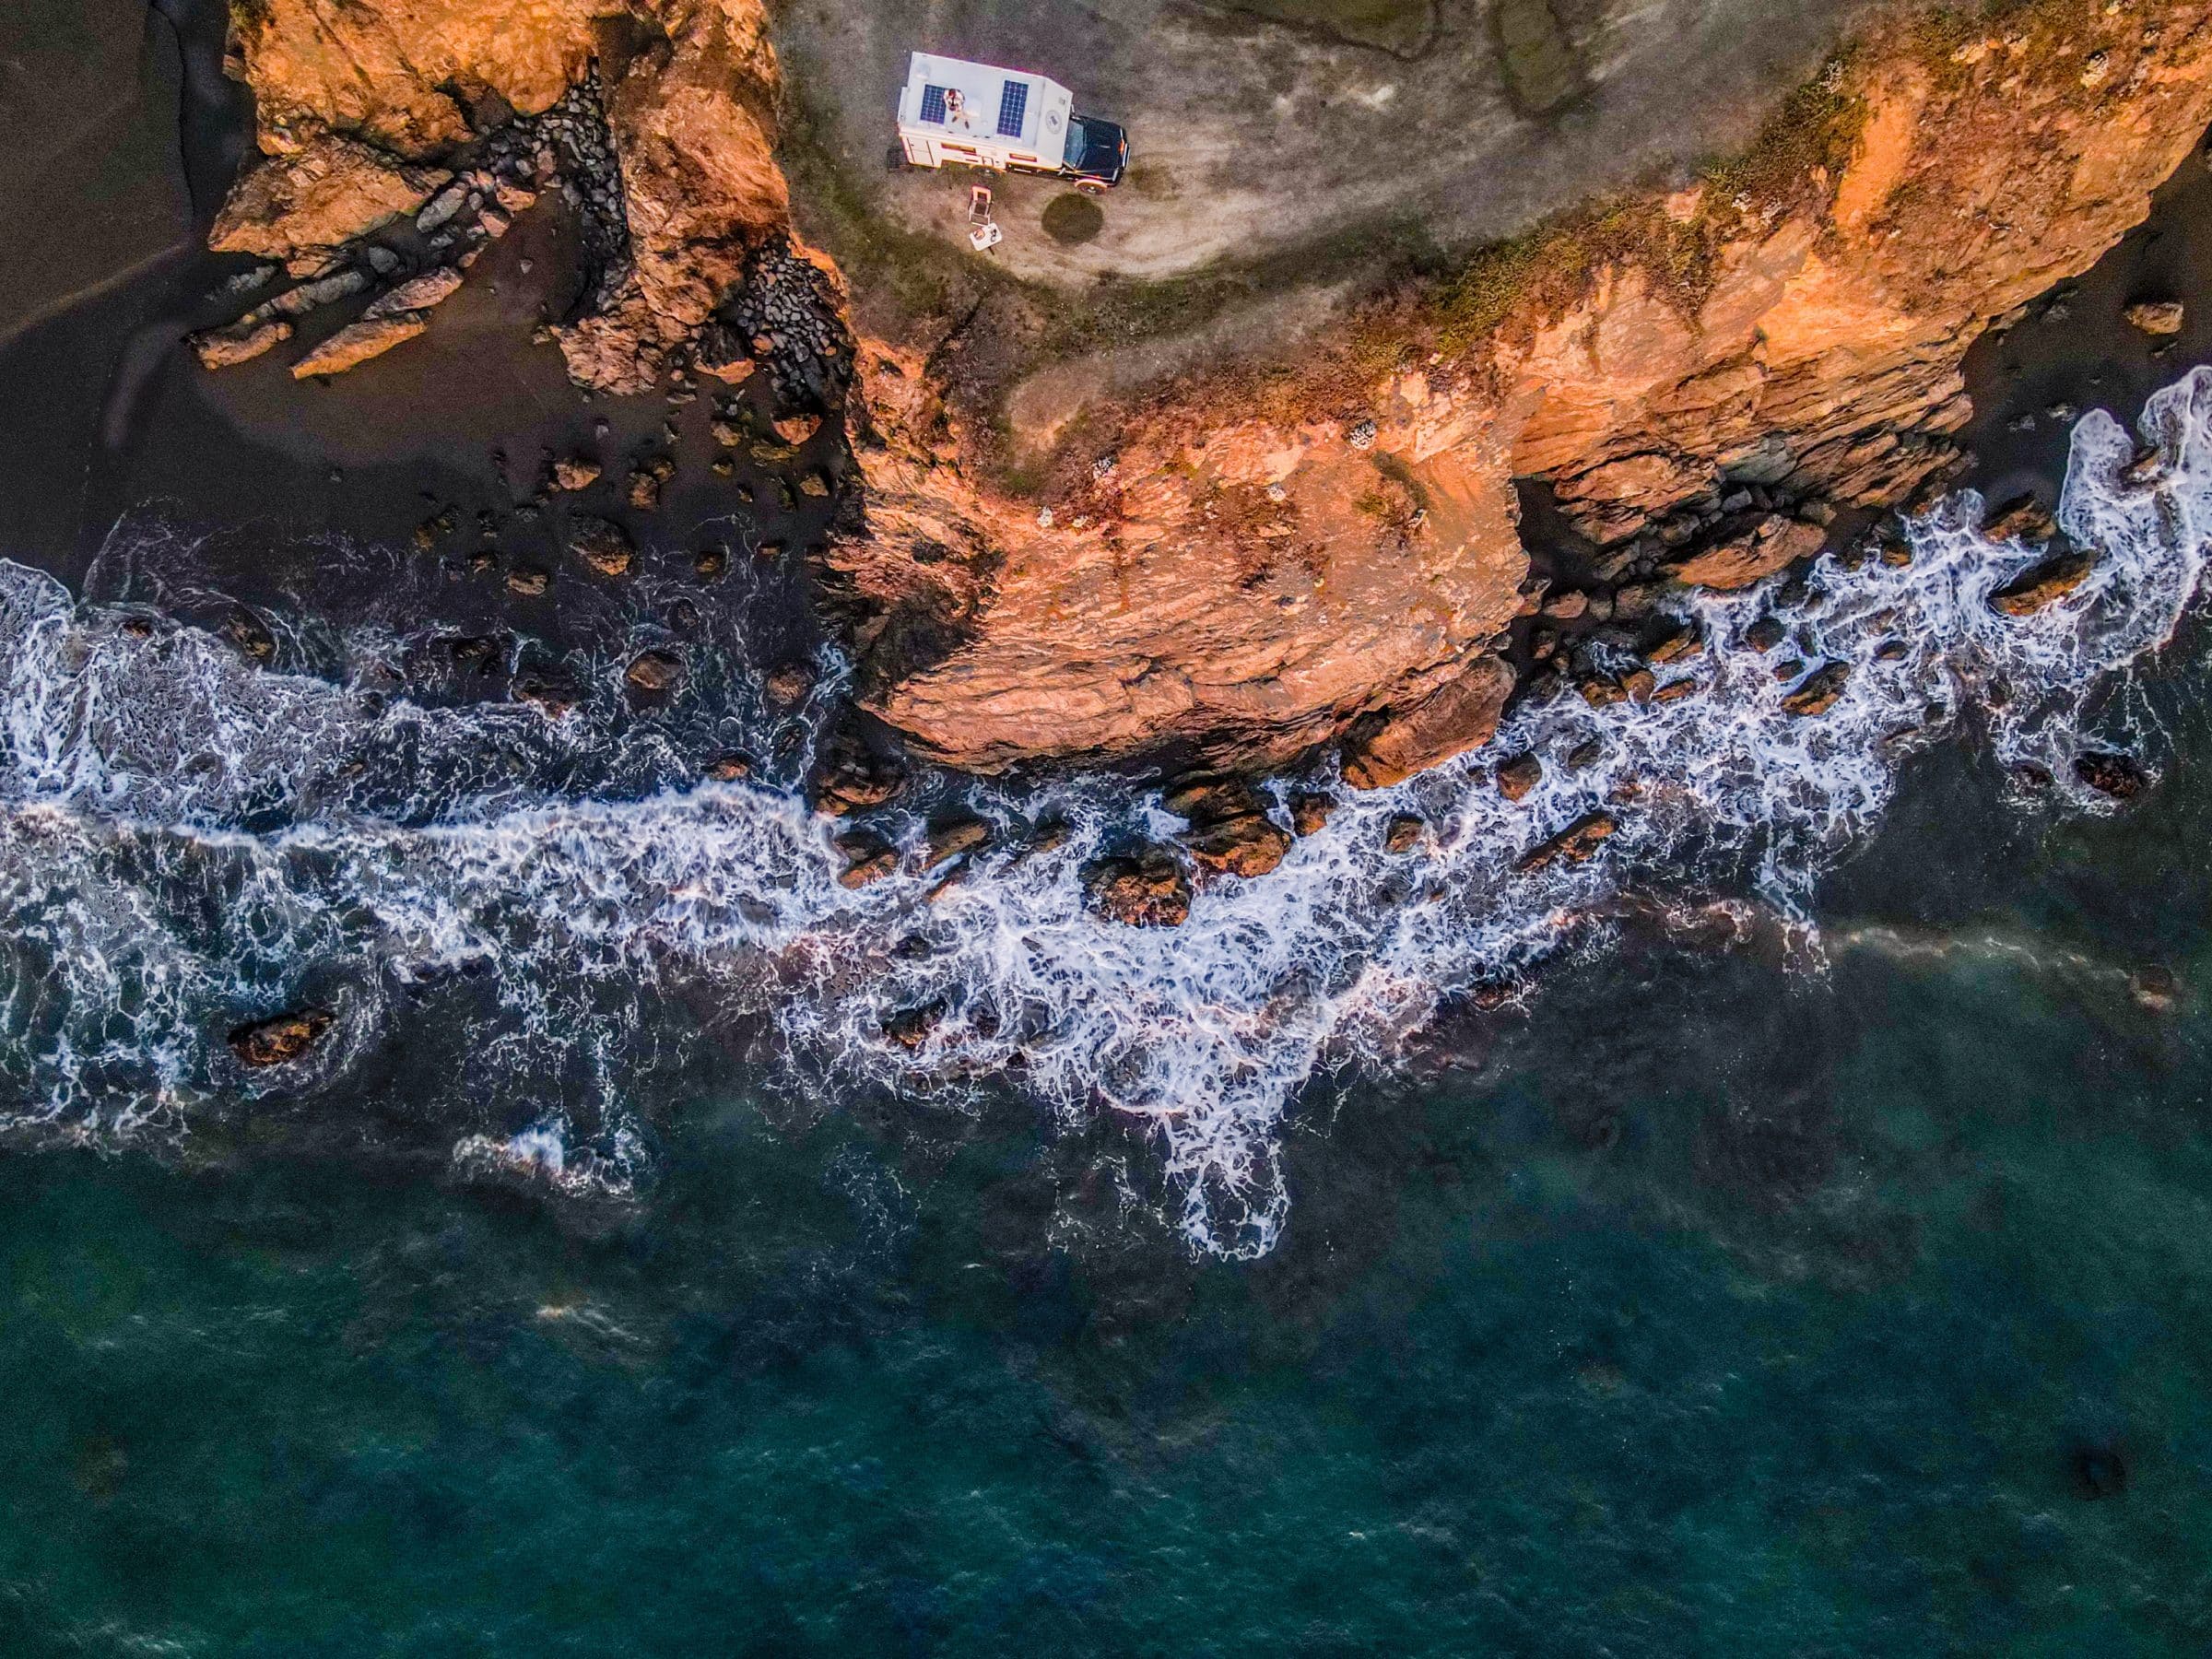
column 983, row 233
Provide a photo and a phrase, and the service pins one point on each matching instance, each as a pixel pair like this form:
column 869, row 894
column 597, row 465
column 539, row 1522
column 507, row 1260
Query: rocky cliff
column 1258, row 561
column 1333, row 549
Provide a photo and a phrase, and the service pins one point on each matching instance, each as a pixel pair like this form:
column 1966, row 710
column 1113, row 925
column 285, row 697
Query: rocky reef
column 1250, row 562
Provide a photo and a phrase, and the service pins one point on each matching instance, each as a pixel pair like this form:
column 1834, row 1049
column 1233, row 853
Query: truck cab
column 954, row 112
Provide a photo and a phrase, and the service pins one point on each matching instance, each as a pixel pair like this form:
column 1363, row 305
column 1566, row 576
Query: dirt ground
column 1260, row 125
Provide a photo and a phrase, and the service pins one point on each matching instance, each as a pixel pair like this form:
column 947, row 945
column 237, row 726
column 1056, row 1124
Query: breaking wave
column 188, row 843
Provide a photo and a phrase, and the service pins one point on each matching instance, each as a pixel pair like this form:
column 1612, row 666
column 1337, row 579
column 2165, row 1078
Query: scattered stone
column 358, row 342
column 1361, row 434
column 2122, row 777
column 815, row 484
column 949, row 838
column 2042, row 585
column 240, row 343
column 1577, row 843
column 1893, row 650
column 1771, row 545
column 575, row 472
column 1676, row 690
column 605, row 546
column 1765, row 635
column 1565, row 608
column 729, row 769
column 795, row 429
column 1404, row 832
column 1896, row 554
column 1683, row 641
column 1820, row 693
column 1585, row 755
column 1518, row 777
column 710, row 563
column 529, row 583
column 655, row 673
column 1638, row 683
column 282, row 1039
column 1148, row 889
column 1310, row 814
column 2161, row 319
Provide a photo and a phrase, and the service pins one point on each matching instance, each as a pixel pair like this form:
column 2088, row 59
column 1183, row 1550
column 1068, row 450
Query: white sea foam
column 185, row 843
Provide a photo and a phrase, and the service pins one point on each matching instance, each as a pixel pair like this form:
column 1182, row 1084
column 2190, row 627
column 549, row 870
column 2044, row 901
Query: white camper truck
column 974, row 115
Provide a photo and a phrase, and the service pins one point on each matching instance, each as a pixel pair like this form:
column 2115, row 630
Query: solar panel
column 933, row 106
column 1013, row 107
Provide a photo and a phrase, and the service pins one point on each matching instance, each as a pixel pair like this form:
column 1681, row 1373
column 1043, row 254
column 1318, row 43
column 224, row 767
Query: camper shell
column 955, row 112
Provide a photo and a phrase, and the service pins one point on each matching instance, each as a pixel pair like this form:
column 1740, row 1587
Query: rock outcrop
column 1255, row 569
column 1252, row 562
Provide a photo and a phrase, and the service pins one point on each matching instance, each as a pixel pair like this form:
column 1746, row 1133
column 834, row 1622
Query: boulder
column 417, row 294
column 852, row 778
column 1459, row 716
column 2161, row 319
column 1310, row 814
column 787, row 687
column 1148, row 889
column 949, row 838
column 911, row 1027
column 1518, row 777
column 605, row 546
column 1249, row 845
column 575, row 472
column 867, row 858
column 358, row 342
column 2021, row 518
column 655, row 673
column 795, row 429
column 1404, row 832
column 281, row 1040
column 1775, row 543
column 240, row 343
column 1578, row 843
column 2042, row 585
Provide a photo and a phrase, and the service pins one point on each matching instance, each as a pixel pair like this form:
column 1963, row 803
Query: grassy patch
column 1073, row 218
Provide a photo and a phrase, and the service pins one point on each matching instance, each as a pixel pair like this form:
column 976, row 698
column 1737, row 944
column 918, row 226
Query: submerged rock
column 1149, row 888
column 868, row 858
column 2122, row 777
column 280, row 1039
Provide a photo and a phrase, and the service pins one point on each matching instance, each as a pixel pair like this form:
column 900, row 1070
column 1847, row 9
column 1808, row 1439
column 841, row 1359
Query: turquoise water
column 1704, row 1307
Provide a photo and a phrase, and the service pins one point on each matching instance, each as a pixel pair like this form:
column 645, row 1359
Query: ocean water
column 1806, row 1257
